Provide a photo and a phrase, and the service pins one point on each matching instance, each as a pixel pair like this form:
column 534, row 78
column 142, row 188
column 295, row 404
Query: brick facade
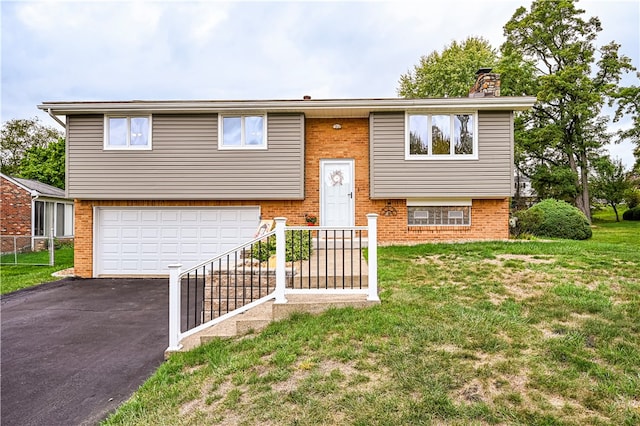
column 489, row 218
column 15, row 204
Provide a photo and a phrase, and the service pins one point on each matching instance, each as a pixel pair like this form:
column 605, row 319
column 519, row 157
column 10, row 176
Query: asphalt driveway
column 75, row 349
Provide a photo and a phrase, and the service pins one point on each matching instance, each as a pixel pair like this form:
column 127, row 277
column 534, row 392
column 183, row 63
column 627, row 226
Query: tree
column 451, row 73
column 628, row 100
column 610, row 182
column 566, row 127
column 45, row 163
column 17, row 136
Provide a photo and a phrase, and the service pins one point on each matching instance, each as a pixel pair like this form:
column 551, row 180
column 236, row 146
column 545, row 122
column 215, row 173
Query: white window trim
column 127, row 147
column 431, row 157
column 242, row 146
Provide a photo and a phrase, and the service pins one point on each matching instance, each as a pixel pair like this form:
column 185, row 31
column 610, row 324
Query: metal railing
column 288, row 260
column 334, row 259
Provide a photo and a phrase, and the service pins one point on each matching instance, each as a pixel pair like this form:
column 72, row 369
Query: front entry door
column 336, row 193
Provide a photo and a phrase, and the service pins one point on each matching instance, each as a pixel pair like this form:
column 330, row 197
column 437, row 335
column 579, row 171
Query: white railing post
column 174, row 308
column 372, row 224
column 280, row 260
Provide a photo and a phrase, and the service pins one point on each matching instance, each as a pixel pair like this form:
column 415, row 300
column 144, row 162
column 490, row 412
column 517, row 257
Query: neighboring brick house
column 29, row 209
column 158, row 182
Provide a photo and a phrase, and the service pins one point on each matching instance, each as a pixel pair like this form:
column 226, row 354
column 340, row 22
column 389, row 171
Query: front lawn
column 15, row 277
column 480, row 333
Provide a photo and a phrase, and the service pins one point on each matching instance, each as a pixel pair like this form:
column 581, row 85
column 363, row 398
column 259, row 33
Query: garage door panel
column 144, row 241
column 189, row 232
column 130, row 232
column 169, row 215
column 130, row 248
column 149, row 215
column 209, row 216
column 207, row 232
column 150, row 233
column 130, row 216
column 169, row 232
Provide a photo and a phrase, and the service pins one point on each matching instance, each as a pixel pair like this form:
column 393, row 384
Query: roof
column 37, row 188
column 310, row 107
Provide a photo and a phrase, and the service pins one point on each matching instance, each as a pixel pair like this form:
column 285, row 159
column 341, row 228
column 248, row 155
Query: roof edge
column 516, row 103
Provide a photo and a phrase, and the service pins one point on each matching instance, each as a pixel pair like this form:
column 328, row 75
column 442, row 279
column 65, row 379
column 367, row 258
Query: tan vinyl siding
column 185, row 162
column 394, row 177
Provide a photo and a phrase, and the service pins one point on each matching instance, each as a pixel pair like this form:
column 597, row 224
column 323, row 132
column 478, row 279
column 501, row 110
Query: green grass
column 15, row 277
column 523, row 332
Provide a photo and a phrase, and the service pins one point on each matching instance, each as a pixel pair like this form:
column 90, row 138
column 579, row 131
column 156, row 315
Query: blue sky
column 98, row 50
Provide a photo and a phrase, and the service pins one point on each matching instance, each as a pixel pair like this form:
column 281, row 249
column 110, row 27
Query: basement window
column 439, row 213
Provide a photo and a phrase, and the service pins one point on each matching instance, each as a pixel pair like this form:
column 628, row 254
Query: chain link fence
column 27, row 250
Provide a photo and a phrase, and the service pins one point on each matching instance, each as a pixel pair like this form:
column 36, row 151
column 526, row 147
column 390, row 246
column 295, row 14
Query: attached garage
column 144, row 241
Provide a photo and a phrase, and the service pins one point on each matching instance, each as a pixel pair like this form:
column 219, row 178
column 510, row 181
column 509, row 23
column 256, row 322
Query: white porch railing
column 217, row 270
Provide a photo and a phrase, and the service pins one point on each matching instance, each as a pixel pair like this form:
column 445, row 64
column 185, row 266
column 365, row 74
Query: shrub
column 632, row 214
column 632, row 197
column 297, row 246
column 555, row 219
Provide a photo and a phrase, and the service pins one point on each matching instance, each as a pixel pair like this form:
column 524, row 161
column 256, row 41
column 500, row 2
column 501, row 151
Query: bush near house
column 297, row 246
column 555, row 219
column 632, row 214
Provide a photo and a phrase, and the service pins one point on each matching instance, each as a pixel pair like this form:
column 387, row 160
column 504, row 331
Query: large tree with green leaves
column 628, row 102
column 573, row 81
column 18, row 136
column 450, row 73
column 610, row 182
column 45, row 163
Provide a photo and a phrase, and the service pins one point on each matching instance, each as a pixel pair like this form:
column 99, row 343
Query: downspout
column 52, row 115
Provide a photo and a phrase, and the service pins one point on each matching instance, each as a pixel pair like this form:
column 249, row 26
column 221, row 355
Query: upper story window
column 127, row 132
column 242, row 132
column 441, row 136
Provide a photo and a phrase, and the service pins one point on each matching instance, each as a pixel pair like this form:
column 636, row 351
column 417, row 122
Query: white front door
column 336, row 193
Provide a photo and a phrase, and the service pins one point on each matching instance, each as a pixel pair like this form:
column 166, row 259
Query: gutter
column 55, row 117
column 338, row 106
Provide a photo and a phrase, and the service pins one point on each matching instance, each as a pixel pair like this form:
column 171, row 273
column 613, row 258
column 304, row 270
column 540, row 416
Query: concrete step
column 259, row 317
column 316, row 304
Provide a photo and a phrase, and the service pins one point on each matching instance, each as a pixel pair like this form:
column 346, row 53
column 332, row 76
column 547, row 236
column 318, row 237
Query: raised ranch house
column 31, row 209
column 159, row 182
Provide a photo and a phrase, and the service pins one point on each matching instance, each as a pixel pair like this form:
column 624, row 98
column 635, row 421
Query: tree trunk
column 584, row 183
column 615, row 211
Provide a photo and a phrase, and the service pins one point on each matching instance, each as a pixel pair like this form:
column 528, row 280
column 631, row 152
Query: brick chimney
column 487, row 84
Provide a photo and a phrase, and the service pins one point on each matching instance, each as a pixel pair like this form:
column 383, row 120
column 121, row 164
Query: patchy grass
column 15, row 277
column 479, row 333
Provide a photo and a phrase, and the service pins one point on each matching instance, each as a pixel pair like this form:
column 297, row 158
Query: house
column 524, row 194
column 159, row 182
column 31, row 209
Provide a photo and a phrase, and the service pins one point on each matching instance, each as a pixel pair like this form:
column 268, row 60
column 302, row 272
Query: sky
column 166, row 50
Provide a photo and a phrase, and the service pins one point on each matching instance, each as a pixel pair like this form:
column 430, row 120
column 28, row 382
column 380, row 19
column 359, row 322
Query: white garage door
column 144, row 241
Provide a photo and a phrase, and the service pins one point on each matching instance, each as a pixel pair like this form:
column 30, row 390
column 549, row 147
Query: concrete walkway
column 74, row 350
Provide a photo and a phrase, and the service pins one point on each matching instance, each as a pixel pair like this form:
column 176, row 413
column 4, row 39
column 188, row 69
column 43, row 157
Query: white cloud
column 243, row 50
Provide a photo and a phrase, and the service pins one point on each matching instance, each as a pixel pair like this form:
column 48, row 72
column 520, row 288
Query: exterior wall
column 15, row 204
column 489, row 176
column 15, row 216
column 489, row 218
column 184, row 162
